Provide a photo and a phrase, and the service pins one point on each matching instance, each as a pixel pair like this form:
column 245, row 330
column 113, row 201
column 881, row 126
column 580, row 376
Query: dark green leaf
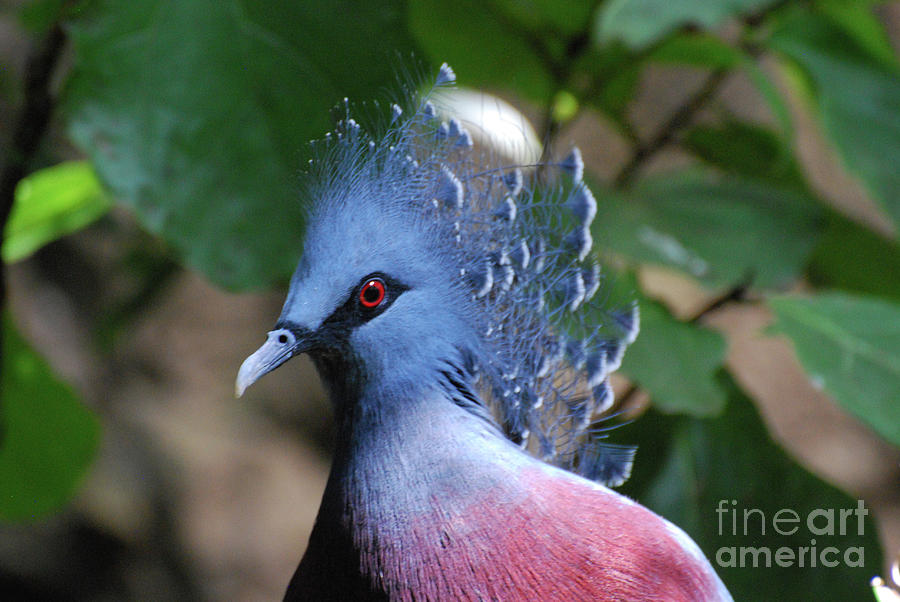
column 857, row 97
column 47, row 437
column 563, row 17
column 614, row 72
column 852, row 257
column 506, row 56
column 687, row 468
column 719, row 230
column 51, row 203
column 676, row 363
column 617, row 93
column 640, row 22
column 39, row 15
column 772, row 97
column 699, row 50
column 850, row 347
column 197, row 114
column 747, row 150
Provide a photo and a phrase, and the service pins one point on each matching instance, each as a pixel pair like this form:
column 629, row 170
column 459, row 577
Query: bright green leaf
column 640, row 22
column 48, row 437
column 676, row 363
column 853, row 258
column 858, row 100
column 688, row 468
column 719, row 230
column 51, row 203
column 858, row 21
column 850, row 347
column 197, row 114
column 564, row 106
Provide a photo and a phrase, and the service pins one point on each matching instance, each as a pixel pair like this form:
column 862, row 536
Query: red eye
column 372, row 293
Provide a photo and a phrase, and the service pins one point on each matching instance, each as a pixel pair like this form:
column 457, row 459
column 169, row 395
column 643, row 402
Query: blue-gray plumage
column 449, row 306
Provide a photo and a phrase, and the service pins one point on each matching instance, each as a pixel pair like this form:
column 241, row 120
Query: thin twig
column 550, row 128
column 735, row 294
column 679, row 120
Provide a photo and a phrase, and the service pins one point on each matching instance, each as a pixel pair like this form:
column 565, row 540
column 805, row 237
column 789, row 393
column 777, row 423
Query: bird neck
column 414, row 439
column 401, row 461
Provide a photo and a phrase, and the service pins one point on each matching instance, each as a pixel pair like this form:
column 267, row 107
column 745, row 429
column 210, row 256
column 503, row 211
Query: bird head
column 374, row 297
column 424, row 256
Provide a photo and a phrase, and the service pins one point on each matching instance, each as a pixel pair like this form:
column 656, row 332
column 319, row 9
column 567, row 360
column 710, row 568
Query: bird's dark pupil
column 282, row 338
column 371, row 293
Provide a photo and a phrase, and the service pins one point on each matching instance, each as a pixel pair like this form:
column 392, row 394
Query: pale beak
column 280, row 346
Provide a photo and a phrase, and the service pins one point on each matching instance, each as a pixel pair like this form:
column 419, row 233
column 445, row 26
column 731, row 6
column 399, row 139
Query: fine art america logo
column 752, row 523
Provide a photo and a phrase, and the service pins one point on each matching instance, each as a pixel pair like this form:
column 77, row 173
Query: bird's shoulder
column 561, row 537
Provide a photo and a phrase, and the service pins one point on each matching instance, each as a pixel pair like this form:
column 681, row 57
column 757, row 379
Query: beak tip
column 246, row 377
column 272, row 354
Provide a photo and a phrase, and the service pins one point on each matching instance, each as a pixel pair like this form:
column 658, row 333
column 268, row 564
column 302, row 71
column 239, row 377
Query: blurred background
column 745, row 156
